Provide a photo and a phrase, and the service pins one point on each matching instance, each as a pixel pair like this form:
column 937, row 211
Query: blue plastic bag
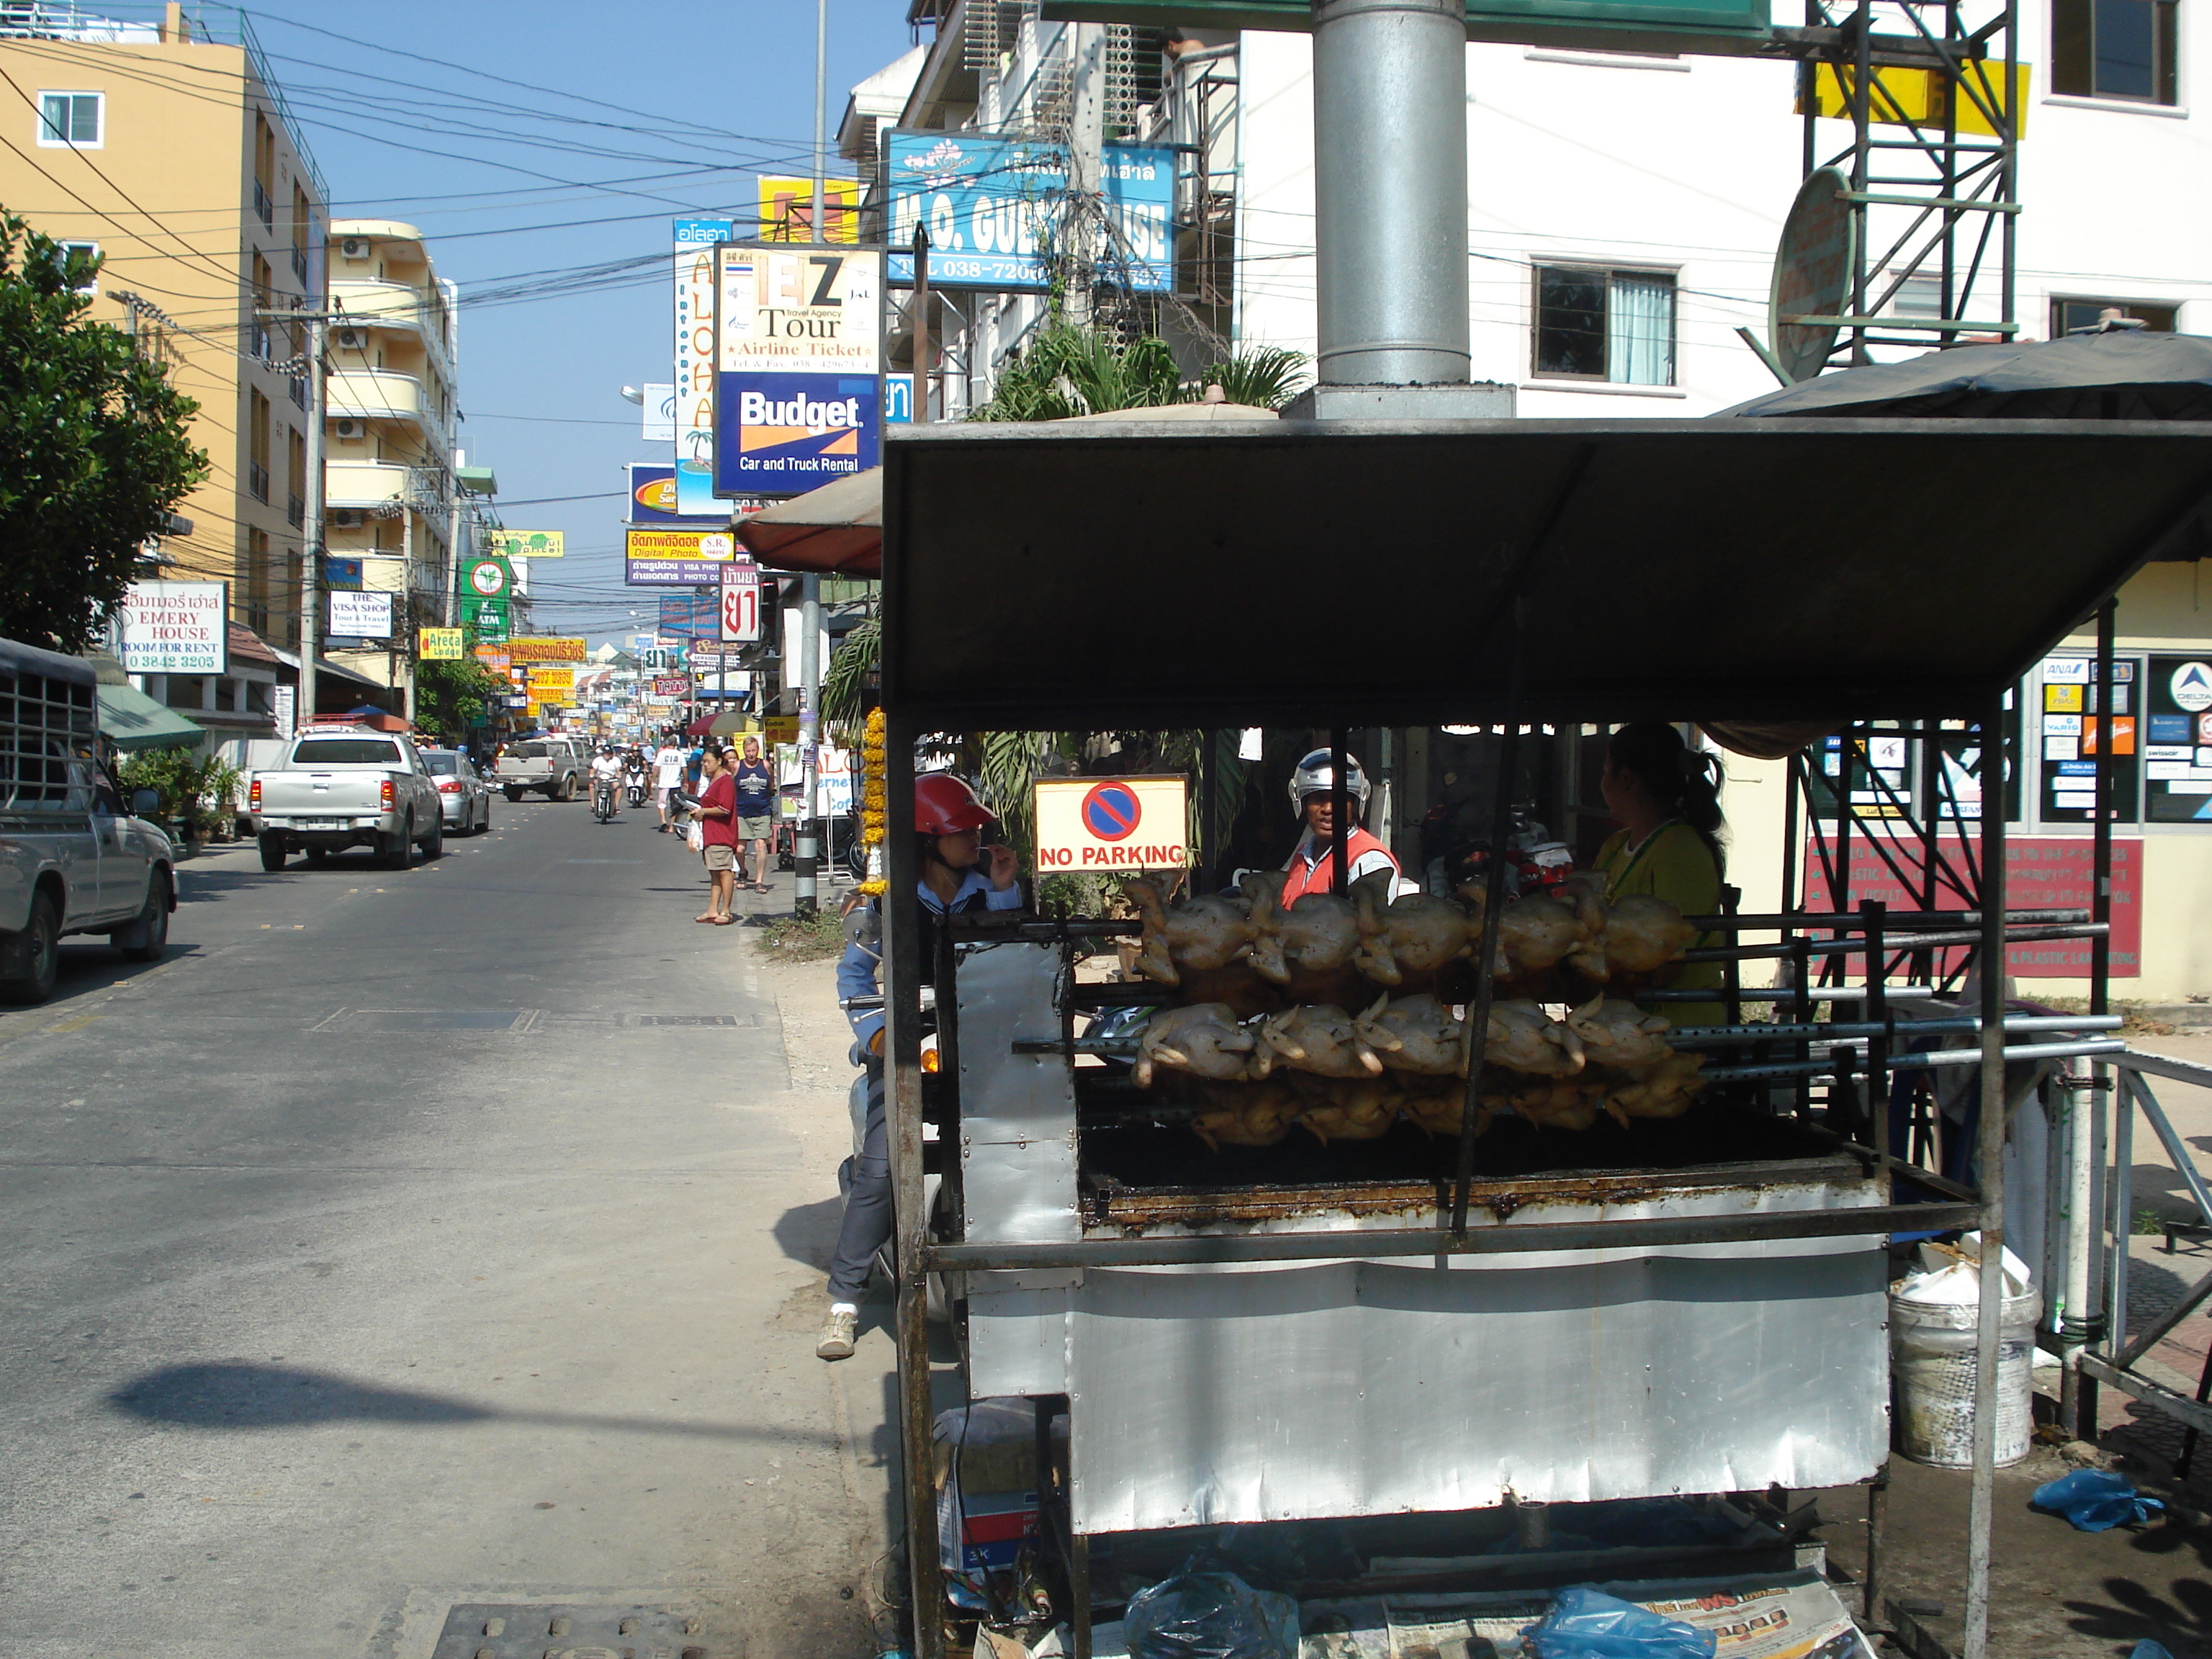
column 2094, row 1501
column 1588, row 1624
column 1210, row 1615
column 2148, row 1649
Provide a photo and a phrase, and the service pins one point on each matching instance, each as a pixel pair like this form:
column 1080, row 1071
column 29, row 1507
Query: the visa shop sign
column 782, row 435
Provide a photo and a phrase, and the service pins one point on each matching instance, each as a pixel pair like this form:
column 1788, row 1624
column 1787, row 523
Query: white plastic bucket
column 1931, row 1346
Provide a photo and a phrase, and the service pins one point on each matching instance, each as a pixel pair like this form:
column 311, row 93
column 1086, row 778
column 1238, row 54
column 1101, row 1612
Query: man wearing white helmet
column 1312, row 868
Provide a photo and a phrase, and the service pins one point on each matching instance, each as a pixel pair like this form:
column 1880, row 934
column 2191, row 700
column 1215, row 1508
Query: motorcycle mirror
column 865, row 928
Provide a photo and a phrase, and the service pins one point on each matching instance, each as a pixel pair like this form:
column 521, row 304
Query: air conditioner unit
column 348, row 431
column 352, row 339
column 345, row 518
column 355, row 248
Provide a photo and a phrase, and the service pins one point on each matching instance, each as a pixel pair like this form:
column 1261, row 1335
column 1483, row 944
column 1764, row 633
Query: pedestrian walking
column 716, row 816
column 755, row 790
column 667, row 778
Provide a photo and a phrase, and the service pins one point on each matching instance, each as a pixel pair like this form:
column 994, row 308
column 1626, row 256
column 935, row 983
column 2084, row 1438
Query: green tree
column 1064, row 370
column 450, row 698
column 95, row 451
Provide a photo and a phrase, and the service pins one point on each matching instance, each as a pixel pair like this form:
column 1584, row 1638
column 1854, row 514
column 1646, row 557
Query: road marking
column 65, row 1027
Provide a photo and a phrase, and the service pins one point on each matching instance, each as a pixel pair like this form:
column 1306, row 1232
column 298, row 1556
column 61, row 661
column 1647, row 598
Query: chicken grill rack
column 1762, row 1068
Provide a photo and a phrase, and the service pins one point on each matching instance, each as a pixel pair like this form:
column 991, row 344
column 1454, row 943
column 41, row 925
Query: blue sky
column 707, row 97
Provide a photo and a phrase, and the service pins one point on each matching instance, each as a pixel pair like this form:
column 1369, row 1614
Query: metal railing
column 2091, row 1332
column 264, row 206
column 257, row 481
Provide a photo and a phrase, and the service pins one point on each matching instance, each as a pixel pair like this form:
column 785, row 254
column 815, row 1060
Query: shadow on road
column 808, row 1232
column 234, row 1395
column 89, row 964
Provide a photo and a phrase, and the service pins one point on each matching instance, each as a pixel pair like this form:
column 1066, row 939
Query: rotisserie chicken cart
column 1416, row 1323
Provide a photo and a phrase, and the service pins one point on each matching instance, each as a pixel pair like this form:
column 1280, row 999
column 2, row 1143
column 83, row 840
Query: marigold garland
column 874, row 804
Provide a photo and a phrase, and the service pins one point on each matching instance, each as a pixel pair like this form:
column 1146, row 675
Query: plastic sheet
column 1588, row 1624
column 2094, row 1501
column 1211, row 1615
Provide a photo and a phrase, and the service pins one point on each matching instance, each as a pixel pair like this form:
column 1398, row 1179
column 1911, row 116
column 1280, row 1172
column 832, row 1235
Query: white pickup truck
column 347, row 787
column 73, row 859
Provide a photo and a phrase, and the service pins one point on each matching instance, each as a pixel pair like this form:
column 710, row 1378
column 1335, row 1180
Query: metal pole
column 819, row 228
column 810, row 694
column 2083, row 1419
column 310, row 555
column 920, row 327
column 1390, row 191
column 1085, row 158
column 1982, row 1503
column 902, row 1082
column 1340, row 806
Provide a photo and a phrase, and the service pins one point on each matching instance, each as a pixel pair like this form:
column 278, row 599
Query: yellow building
column 164, row 146
column 391, row 503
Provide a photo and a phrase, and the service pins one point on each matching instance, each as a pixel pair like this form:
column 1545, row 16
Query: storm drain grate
column 566, row 1630
column 425, row 1019
column 694, row 1019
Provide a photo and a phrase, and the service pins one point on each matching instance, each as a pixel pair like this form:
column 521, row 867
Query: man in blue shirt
column 957, row 873
column 755, row 814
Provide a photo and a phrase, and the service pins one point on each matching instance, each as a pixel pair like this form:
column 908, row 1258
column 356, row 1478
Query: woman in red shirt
column 718, row 831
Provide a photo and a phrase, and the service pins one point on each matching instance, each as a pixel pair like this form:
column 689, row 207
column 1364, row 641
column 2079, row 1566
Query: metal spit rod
column 1818, row 1068
column 1788, row 1031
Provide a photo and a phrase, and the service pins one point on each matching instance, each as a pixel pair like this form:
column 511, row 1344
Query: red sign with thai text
column 2042, row 873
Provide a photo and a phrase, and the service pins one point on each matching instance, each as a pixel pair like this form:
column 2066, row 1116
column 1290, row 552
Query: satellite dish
column 1812, row 270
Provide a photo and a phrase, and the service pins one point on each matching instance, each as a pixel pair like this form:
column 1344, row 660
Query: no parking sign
column 1111, row 823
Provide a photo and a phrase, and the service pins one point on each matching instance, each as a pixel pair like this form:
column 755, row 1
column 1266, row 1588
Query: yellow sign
column 439, row 645
column 529, row 544
column 546, row 681
column 780, row 728
column 1917, row 96
column 787, row 209
column 493, row 658
column 546, row 648
column 1111, row 823
column 679, row 546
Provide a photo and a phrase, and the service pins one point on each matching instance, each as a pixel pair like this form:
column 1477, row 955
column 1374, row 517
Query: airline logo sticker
column 2191, row 687
column 788, row 434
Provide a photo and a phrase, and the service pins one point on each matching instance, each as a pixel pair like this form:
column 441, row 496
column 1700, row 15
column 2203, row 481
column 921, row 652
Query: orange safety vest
column 1319, row 875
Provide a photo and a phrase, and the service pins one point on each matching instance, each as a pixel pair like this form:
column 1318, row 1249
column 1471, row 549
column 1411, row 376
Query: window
column 303, row 221
column 86, row 256
column 2120, row 49
column 1597, row 325
column 257, row 463
column 264, row 171
column 295, row 506
column 72, row 121
column 265, row 295
column 1919, row 296
column 2066, row 315
column 347, row 751
column 257, row 583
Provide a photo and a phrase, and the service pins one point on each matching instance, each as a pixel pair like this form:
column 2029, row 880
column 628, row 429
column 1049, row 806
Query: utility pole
column 317, row 323
column 921, row 325
column 1086, row 140
column 809, row 836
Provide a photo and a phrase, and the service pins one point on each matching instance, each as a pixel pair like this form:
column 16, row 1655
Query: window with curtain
column 1594, row 324
column 2123, row 49
column 71, row 120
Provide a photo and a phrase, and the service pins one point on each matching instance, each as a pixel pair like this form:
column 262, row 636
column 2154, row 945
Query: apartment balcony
column 362, row 485
column 379, row 394
column 367, row 303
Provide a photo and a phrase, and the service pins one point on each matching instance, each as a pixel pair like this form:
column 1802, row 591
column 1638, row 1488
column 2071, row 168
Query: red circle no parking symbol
column 1111, row 812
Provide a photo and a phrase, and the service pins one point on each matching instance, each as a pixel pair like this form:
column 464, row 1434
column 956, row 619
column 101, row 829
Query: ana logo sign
column 1111, row 824
column 2191, row 687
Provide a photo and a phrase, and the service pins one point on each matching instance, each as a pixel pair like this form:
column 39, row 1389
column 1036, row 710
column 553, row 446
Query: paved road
column 375, row 1254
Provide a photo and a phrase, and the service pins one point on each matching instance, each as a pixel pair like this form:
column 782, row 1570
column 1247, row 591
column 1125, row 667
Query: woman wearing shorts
column 718, row 831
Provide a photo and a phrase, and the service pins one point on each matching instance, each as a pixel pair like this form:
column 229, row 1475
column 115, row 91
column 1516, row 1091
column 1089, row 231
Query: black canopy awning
column 1364, row 573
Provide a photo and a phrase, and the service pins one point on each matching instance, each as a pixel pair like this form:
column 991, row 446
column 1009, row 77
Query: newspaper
column 1794, row 1615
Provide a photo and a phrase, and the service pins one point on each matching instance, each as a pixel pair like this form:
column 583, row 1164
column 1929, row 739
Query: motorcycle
column 634, row 792
column 603, row 799
column 1537, row 862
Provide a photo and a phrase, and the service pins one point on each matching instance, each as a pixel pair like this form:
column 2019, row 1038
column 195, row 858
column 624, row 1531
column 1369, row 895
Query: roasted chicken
column 1204, row 1040
column 1321, row 1039
column 1320, row 932
column 1344, row 1109
column 1415, row 1034
column 1208, row 932
column 1642, row 935
column 1560, row 1104
column 1662, row 1089
column 1416, row 936
column 1616, row 1033
column 1245, row 1115
column 1536, row 933
column 1522, row 1037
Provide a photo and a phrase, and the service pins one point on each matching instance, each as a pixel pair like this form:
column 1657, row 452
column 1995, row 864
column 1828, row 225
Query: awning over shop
column 131, row 720
column 325, row 669
column 837, row 530
column 1367, row 573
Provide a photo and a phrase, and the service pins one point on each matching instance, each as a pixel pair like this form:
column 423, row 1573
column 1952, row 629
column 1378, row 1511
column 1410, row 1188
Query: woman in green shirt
column 1666, row 797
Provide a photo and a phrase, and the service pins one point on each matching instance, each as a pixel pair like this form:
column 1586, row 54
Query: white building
column 1623, row 214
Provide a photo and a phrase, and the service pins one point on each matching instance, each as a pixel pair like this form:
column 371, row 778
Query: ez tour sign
column 1111, row 823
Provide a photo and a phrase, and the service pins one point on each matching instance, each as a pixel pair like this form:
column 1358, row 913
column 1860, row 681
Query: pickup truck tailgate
column 321, row 795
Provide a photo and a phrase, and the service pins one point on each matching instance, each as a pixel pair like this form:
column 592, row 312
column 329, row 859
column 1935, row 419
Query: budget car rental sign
column 1111, row 824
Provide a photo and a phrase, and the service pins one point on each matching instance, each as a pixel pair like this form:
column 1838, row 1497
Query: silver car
column 464, row 798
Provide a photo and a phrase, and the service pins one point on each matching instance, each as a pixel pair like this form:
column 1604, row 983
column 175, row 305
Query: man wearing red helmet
column 957, row 873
